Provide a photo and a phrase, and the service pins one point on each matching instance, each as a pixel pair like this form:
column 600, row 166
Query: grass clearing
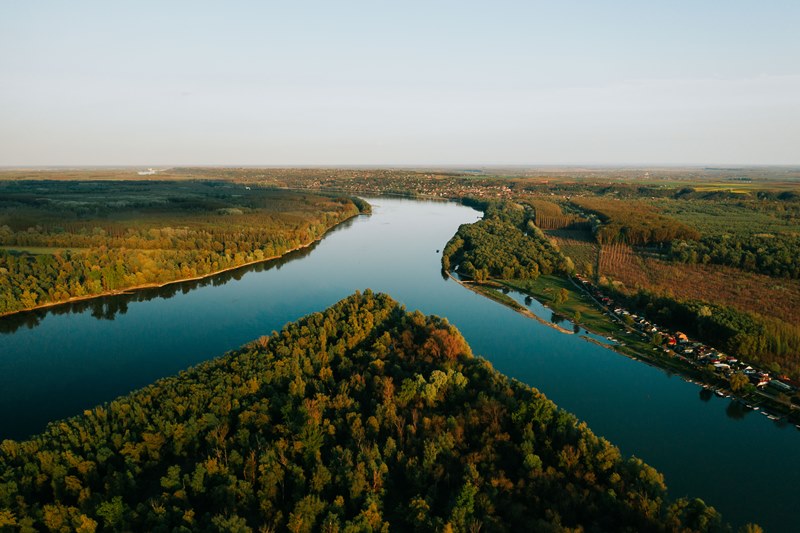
column 545, row 289
column 578, row 245
column 631, row 343
column 745, row 291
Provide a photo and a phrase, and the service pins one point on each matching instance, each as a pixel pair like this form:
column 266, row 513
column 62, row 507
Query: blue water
column 548, row 315
column 56, row 363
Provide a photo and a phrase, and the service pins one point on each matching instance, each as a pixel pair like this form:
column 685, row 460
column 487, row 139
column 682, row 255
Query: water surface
column 56, row 363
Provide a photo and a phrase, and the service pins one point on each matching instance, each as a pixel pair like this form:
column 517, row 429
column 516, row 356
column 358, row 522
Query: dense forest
column 504, row 244
column 772, row 255
column 362, row 418
column 632, row 222
column 756, row 234
column 60, row 240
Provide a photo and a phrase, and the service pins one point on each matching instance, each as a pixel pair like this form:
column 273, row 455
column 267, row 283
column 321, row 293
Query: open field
column 741, row 180
column 579, row 246
column 737, row 179
column 545, row 288
column 745, row 291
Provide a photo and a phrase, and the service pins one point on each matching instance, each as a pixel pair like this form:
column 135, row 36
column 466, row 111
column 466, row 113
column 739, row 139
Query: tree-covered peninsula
column 506, row 243
column 364, row 417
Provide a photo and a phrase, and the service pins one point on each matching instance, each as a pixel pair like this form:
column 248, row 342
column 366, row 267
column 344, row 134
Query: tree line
column 364, row 417
column 770, row 254
column 506, row 244
column 550, row 215
column 631, row 222
column 71, row 255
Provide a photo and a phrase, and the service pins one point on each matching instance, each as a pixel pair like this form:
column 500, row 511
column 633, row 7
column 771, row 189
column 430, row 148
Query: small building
column 780, row 386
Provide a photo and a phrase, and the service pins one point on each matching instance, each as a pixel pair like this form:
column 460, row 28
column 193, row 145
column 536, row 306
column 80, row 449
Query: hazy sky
column 403, row 83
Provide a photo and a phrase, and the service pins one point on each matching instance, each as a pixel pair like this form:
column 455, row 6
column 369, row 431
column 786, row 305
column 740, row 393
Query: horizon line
column 389, row 166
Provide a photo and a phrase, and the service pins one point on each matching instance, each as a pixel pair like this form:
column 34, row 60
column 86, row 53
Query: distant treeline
column 633, row 223
column 361, row 418
column 504, row 244
column 773, row 255
column 604, row 188
column 83, row 251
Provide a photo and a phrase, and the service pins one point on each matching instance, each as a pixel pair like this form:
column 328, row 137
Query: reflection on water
column 56, row 363
column 108, row 307
column 706, row 394
column 737, row 410
column 542, row 311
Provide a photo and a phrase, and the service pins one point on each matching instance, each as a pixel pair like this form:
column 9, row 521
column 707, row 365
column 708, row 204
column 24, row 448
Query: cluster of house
column 424, row 185
column 695, row 353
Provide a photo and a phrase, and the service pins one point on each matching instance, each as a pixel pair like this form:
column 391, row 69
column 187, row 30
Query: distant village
column 445, row 187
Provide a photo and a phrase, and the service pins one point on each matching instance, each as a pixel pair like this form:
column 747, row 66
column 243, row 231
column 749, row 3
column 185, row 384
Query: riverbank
column 630, row 342
column 627, row 342
column 487, row 291
column 63, row 363
column 135, row 288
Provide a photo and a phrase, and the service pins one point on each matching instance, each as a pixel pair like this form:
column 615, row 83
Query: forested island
column 363, row 417
column 65, row 240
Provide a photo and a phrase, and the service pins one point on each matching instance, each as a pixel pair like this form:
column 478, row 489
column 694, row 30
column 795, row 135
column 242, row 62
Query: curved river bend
column 58, row 362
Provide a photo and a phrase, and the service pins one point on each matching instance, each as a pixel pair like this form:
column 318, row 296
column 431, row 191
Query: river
column 55, row 363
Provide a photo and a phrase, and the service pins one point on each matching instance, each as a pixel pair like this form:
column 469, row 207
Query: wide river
column 56, row 363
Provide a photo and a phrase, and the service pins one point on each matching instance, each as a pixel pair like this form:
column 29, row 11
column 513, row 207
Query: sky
column 315, row 83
